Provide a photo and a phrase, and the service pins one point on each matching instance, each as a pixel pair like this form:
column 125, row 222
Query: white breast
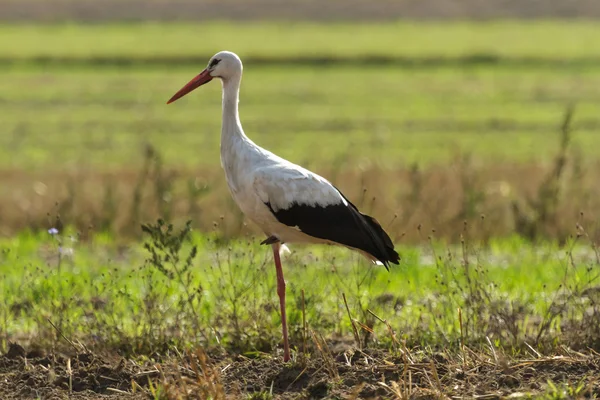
column 256, row 176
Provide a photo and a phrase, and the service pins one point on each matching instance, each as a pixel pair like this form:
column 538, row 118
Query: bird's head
column 224, row 65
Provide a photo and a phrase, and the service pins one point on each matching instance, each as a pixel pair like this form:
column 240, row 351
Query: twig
column 70, row 372
column 533, row 350
column 83, row 346
column 492, row 348
column 136, row 386
column 298, row 377
column 401, row 345
column 63, row 336
column 328, row 361
column 108, row 378
column 304, row 327
column 144, row 373
column 436, row 377
column 226, row 368
column 363, row 326
column 117, row 390
column 354, row 329
column 389, row 327
column 462, row 338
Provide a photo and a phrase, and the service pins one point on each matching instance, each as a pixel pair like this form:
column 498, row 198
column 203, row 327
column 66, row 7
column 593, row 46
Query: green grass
column 63, row 118
column 531, row 39
column 111, row 293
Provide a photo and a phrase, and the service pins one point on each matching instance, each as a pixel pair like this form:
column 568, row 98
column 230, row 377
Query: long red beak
column 199, row 80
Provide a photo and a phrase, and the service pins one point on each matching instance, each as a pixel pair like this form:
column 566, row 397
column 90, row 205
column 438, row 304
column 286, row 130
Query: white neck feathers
column 231, row 118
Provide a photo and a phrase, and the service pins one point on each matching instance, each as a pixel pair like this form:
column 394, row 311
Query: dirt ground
column 367, row 374
column 127, row 10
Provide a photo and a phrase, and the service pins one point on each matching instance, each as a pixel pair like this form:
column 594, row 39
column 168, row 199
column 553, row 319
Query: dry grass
column 531, row 200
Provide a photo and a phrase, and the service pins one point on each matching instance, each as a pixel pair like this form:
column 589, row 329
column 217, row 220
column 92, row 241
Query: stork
column 289, row 203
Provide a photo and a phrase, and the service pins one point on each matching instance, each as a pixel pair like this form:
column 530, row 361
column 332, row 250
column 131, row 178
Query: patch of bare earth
column 352, row 373
column 35, row 374
column 118, row 10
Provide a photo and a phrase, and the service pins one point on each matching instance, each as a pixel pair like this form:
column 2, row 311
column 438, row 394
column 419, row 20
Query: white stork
column 289, row 203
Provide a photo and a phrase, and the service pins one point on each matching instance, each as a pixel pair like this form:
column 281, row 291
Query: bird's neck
column 235, row 145
column 232, row 127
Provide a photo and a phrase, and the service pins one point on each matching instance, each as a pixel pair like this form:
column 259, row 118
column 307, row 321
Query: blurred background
column 425, row 113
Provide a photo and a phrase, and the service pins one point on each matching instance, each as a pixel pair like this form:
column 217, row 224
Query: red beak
column 201, row 79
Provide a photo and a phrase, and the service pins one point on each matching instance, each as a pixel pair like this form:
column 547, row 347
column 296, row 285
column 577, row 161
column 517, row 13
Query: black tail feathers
column 383, row 244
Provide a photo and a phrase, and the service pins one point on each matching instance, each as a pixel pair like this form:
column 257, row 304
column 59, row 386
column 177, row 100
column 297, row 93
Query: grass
column 558, row 40
column 100, row 117
column 511, row 295
column 77, row 134
column 118, row 160
column 115, row 284
column 397, row 117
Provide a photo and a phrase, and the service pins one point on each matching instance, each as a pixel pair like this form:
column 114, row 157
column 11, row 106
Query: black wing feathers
column 342, row 224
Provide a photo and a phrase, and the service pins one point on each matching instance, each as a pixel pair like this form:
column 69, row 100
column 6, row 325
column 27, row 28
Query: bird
column 289, row 203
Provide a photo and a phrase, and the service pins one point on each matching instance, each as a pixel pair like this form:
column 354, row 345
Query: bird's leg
column 281, row 293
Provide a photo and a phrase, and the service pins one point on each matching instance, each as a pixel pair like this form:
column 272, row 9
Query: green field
column 101, row 115
column 386, row 115
column 456, row 136
column 82, row 103
column 59, row 278
column 551, row 40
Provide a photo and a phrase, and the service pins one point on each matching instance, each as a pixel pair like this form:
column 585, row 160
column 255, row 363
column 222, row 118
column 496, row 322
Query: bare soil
column 169, row 10
column 34, row 375
column 348, row 373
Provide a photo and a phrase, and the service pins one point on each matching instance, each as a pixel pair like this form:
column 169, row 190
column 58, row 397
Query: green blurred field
column 529, row 39
column 67, row 99
column 396, row 117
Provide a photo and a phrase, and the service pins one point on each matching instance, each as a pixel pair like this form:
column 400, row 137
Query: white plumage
column 265, row 178
column 288, row 202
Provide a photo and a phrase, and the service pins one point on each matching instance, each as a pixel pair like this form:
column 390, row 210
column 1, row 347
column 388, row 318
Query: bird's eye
column 214, row 63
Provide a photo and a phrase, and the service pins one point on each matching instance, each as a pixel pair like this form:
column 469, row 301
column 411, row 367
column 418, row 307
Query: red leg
column 281, row 293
